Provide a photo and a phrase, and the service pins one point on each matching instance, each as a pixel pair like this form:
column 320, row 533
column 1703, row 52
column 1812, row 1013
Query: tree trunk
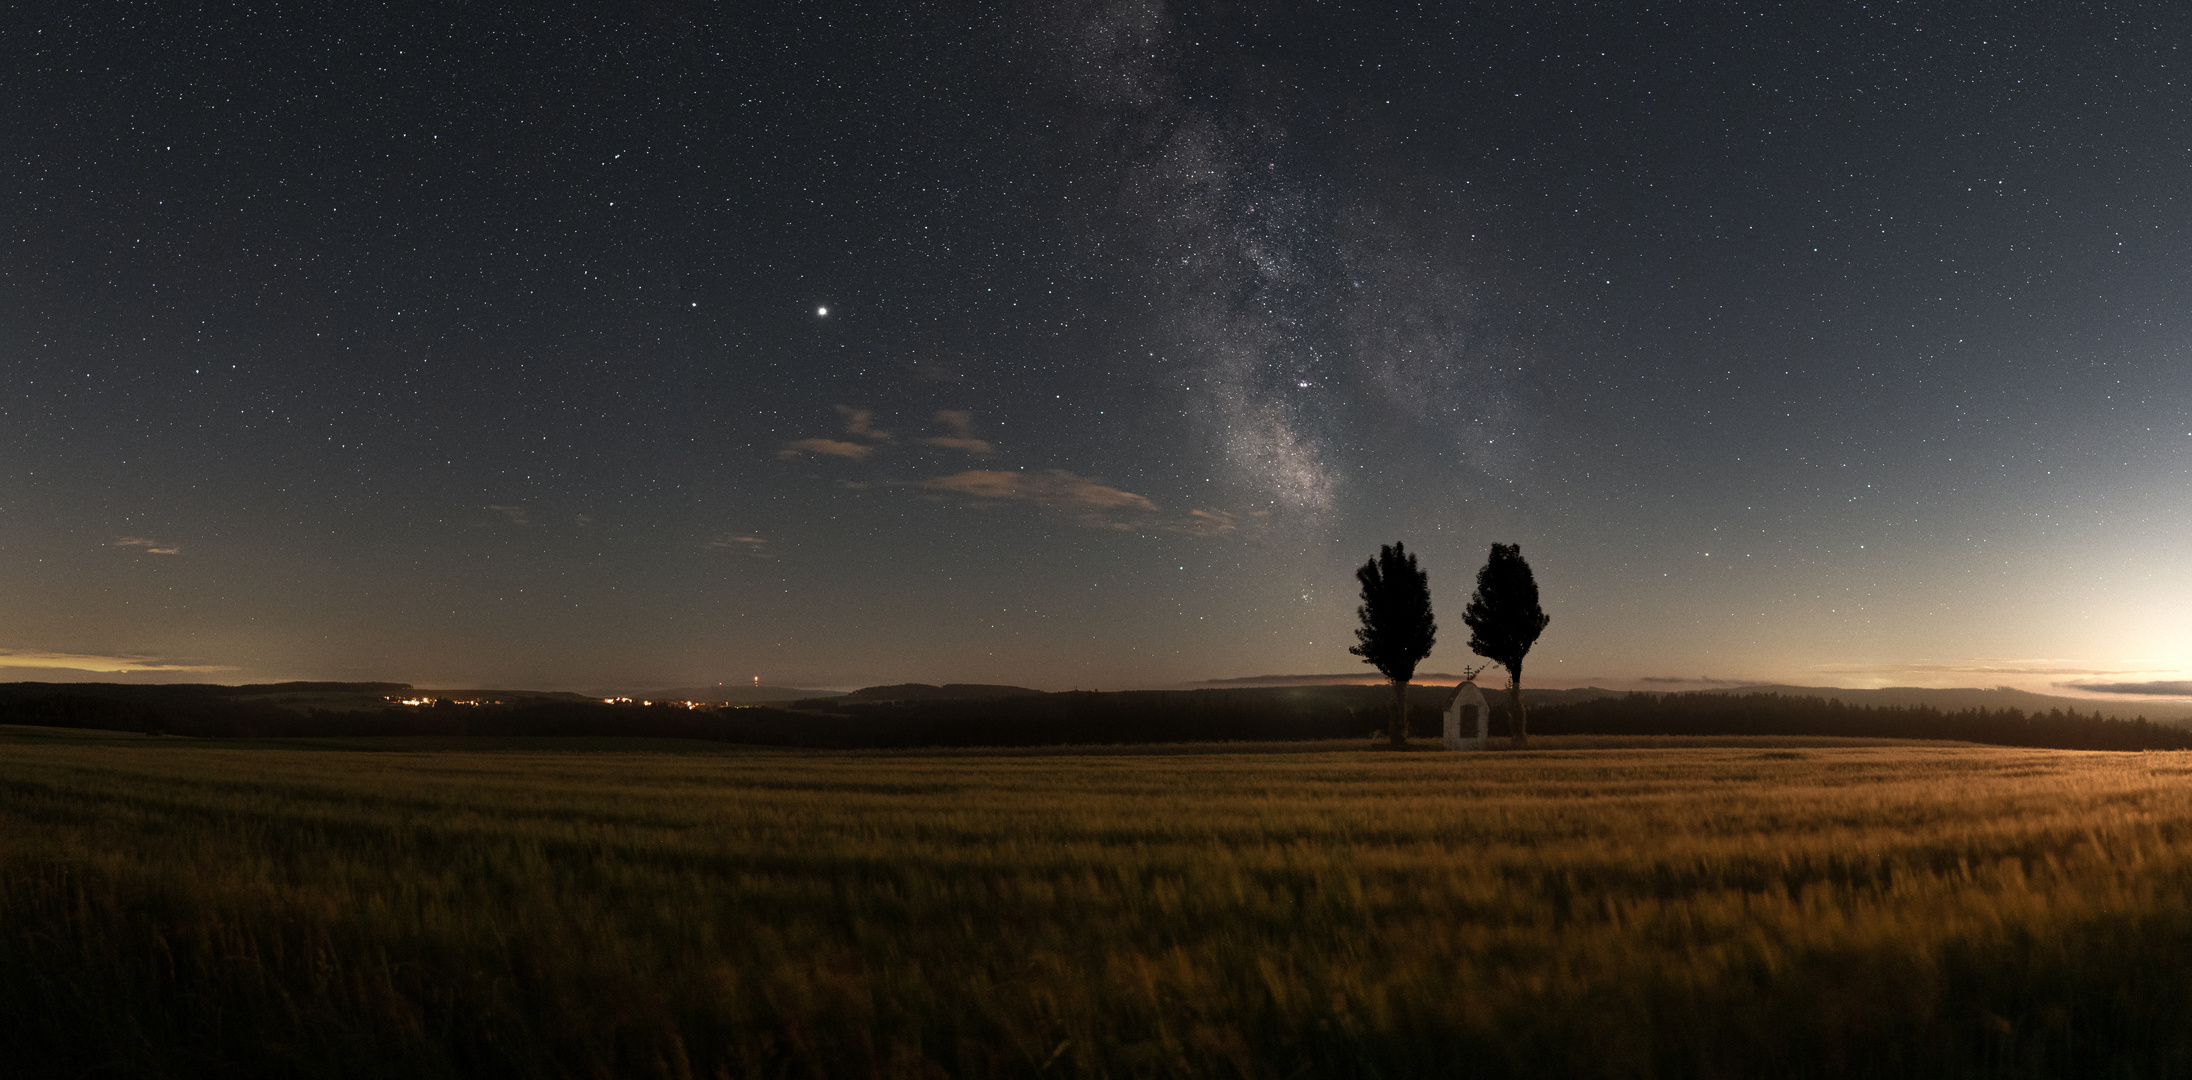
column 1518, row 721
column 1398, row 733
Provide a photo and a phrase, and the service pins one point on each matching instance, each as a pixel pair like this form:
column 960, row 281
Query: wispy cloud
column 1208, row 523
column 39, row 658
column 861, row 423
column 517, row 515
column 2156, row 688
column 1980, row 666
column 1092, row 502
column 825, row 447
column 147, row 546
column 1084, row 499
column 751, row 545
column 1699, row 680
column 962, row 437
column 977, row 447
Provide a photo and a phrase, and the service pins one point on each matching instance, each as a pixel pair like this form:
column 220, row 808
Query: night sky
column 589, row 346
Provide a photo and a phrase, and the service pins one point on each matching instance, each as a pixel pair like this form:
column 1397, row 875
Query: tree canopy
column 1503, row 615
column 1397, row 629
column 1504, row 621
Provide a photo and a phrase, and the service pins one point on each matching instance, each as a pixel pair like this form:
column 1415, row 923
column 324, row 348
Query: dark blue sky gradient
column 479, row 345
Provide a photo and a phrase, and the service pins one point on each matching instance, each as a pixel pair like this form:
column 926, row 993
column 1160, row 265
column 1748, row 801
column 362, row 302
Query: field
column 1607, row 907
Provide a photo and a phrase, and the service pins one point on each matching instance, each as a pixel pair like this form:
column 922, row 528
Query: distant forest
column 1080, row 717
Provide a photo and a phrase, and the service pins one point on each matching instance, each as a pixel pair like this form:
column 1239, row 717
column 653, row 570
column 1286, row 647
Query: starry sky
column 1092, row 344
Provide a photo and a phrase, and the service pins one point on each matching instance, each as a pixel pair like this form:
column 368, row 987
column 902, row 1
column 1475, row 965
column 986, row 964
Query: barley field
column 590, row 908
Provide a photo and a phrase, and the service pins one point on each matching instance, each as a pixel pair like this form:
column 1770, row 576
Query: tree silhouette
column 1397, row 630
column 1504, row 621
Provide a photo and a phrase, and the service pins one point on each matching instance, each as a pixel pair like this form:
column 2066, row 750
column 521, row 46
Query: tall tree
column 1504, row 621
column 1397, row 630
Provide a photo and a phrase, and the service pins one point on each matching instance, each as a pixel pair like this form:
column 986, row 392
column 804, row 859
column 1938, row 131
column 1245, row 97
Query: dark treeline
column 188, row 710
column 1773, row 714
column 1131, row 716
column 1155, row 716
column 1032, row 720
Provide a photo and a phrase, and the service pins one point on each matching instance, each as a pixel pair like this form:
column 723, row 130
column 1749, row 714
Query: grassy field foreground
column 1798, row 907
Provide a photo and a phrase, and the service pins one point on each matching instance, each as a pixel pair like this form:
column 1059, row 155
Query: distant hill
column 295, row 697
column 291, row 696
column 1497, row 691
column 257, row 689
column 1438, row 687
column 40, row 689
column 1999, row 698
column 1345, row 678
column 739, row 692
column 946, row 692
column 511, row 697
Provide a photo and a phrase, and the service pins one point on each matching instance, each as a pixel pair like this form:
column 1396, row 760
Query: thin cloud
column 754, row 546
column 962, row 437
column 516, row 514
column 1089, row 501
column 39, row 658
column 1208, row 523
column 977, row 447
column 148, row 546
column 1701, row 680
column 2156, row 688
column 1051, row 487
column 861, row 422
column 825, row 447
column 1970, row 667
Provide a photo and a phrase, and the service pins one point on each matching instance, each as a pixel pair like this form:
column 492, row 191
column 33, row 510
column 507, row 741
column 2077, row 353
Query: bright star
column 821, row 311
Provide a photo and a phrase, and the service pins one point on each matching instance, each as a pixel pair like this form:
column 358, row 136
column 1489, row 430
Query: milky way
column 1300, row 305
